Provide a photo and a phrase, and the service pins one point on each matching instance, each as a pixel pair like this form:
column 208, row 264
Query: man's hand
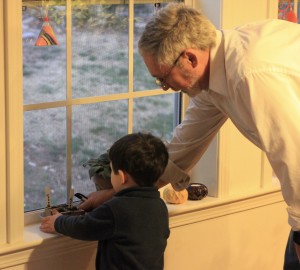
column 97, row 198
column 161, row 184
column 47, row 223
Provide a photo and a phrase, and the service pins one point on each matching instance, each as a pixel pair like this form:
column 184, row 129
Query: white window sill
column 211, row 207
column 180, row 215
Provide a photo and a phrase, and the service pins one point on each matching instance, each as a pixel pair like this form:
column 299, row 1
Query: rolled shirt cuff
column 178, row 178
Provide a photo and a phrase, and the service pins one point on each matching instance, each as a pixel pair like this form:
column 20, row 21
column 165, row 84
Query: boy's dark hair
column 143, row 156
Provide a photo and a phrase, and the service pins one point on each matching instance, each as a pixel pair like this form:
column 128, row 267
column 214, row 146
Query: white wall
column 247, row 240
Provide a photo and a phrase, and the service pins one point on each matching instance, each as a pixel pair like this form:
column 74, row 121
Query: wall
column 246, row 240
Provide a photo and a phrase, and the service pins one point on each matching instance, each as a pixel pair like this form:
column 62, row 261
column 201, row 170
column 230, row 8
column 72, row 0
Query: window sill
column 180, row 215
column 42, row 245
column 212, row 207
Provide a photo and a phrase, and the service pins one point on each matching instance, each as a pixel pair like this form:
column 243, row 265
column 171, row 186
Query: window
column 84, row 93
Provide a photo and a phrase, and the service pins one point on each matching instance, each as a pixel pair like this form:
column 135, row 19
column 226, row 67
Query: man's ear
column 123, row 176
column 191, row 57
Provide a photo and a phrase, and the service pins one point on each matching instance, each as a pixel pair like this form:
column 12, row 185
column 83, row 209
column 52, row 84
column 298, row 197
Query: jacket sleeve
column 95, row 225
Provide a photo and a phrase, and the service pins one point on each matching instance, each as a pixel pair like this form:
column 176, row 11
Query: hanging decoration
column 46, row 36
column 291, row 16
column 285, row 11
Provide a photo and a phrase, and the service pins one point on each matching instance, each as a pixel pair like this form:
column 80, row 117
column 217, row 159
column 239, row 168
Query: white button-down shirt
column 254, row 81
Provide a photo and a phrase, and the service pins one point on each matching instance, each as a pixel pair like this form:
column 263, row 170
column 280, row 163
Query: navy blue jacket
column 132, row 229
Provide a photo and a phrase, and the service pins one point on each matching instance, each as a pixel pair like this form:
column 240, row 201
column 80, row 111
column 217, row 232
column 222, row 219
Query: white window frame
column 69, row 101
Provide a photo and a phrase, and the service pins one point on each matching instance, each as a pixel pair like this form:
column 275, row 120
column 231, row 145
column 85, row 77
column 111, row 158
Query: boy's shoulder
column 138, row 192
column 137, row 197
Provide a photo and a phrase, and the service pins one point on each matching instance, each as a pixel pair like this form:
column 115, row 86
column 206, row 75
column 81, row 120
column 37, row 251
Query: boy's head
column 143, row 157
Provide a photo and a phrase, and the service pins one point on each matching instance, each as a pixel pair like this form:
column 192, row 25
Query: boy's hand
column 47, row 223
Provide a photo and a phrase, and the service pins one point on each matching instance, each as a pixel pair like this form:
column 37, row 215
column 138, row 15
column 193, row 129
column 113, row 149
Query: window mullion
column 2, row 134
column 130, row 63
column 69, row 93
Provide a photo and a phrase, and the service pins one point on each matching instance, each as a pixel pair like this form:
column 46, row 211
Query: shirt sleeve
column 93, row 226
column 274, row 104
column 191, row 139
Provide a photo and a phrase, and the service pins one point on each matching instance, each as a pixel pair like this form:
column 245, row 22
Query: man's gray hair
column 173, row 29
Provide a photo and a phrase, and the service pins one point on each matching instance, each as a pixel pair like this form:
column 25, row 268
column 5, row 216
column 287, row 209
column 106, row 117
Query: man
column 250, row 74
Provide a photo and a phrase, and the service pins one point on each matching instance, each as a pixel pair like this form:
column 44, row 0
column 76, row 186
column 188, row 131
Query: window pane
column 44, row 68
column 142, row 78
column 95, row 128
column 44, row 156
column 156, row 115
column 100, row 50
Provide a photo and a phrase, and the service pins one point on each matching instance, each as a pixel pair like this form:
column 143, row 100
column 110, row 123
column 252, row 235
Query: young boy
column 133, row 227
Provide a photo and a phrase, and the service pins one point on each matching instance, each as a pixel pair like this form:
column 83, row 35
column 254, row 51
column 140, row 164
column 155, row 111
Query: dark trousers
column 291, row 261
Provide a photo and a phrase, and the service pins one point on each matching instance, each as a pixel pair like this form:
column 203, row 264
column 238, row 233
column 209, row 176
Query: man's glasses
column 161, row 81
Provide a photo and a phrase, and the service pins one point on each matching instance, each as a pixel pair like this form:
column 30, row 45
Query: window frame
column 2, row 127
column 12, row 188
column 69, row 101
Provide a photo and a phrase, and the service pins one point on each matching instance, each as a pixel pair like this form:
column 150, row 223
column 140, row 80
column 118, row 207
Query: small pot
column 197, row 191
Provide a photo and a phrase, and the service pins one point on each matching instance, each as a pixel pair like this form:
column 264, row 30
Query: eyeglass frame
column 160, row 81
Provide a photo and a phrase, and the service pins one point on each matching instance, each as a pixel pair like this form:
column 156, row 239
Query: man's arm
column 97, row 198
column 191, row 139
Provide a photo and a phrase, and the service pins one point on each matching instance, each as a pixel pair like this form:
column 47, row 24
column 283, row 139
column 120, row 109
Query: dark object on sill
column 197, row 191
column 99, row 171
column 64, row 209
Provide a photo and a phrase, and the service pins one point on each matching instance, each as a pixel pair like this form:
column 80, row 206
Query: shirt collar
column 217, row 74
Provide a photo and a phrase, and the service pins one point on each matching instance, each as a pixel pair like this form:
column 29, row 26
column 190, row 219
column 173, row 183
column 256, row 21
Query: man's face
column 184, row 75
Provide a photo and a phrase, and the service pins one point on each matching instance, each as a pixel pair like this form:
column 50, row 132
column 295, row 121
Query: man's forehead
column 153, row 66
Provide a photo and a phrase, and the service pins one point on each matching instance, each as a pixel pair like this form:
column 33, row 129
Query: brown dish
column 197, row 191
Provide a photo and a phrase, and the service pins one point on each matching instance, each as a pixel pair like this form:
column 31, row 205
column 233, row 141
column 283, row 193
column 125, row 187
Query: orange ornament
column 291, row 16
column 46, row 36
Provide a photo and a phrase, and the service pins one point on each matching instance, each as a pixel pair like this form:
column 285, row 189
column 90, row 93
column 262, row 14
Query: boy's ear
column 123, row 176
